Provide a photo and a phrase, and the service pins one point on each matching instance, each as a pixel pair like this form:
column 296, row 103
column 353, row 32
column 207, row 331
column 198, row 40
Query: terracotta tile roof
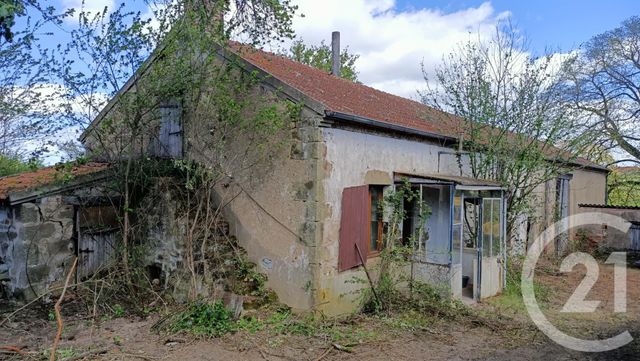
column 43, row 176
column 343, row 96
column 340, row 95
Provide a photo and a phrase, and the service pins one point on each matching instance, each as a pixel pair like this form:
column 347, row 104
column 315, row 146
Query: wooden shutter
column 169, row 140
column 354, row 227
column 174, row 141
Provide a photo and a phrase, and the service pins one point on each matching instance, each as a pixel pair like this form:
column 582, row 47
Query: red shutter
column 354, row 227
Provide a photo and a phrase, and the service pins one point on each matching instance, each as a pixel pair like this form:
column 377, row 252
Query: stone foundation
column 36, row 246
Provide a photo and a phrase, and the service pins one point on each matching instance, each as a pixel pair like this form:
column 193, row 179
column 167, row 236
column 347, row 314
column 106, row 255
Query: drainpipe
column 335, row 53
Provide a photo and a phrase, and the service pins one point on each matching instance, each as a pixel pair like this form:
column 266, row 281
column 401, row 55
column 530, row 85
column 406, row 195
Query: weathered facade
column 288, row 213
column 561, row 197
column 46, row 224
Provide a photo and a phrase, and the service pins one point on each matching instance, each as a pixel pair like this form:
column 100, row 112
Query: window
column 376, row 221
column 471, row 216
column 491, row 227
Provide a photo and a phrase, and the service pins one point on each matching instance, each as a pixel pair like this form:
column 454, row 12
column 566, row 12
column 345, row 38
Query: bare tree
column 603, row 80
column 508, row 115
column 25, row 92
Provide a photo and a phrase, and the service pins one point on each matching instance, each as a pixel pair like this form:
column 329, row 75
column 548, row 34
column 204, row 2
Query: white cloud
column 51, row 99
column 88, row 6
column 391, row 42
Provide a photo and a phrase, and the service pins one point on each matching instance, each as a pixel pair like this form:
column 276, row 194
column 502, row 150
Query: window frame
column 380, row 229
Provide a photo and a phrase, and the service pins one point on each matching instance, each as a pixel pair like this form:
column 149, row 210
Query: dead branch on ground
column 57, row 310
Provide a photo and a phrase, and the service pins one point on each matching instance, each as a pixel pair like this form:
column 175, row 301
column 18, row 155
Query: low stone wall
column 438, row 276
column 36, row 247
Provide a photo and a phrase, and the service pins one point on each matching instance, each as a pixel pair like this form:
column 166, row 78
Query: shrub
column 205, row 319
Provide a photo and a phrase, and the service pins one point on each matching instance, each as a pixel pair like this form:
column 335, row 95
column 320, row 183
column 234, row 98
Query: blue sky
column 560, row 24
column 394, row 37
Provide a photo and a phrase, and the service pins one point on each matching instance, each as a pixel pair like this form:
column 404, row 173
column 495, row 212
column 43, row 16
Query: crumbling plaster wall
column 272, row 207
column 543, row 215
column 36, row 245
column 352, row 155
column 164, row 228
column 585, row 187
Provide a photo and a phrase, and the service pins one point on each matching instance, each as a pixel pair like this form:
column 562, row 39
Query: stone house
column 310, row 220
column 49, row 216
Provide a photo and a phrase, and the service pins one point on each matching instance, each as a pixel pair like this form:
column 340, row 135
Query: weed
column 511, row 297
column 66, row 353
column 250, row 324
column 61, row 353
column 118, row 311
column 205, row 319
column 410, row 320
column 283, row 322
column 348, row 334
column 148, row 310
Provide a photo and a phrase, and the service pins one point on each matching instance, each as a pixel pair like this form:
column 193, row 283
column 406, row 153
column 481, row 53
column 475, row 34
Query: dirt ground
column 505, row 334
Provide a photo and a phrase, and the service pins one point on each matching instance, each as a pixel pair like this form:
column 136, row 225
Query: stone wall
column 36, row 246
column 272, row 205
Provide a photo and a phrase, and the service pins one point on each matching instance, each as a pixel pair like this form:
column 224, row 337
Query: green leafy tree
column 508, row 115
column 8, row 11
column 319, row 56
column 624, row 187
column 604, row 86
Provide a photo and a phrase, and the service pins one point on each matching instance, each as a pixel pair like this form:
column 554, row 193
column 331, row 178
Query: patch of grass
column 118, row 311
column 61, row 353
column 348, row 334
column 410, row 320
column 283, row 322
column 511, row 297
column 250, row 324
column 205, row 319
column 214, row 320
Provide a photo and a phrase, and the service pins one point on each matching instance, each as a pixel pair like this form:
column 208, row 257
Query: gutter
column 356, row 119
column 359, row 120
